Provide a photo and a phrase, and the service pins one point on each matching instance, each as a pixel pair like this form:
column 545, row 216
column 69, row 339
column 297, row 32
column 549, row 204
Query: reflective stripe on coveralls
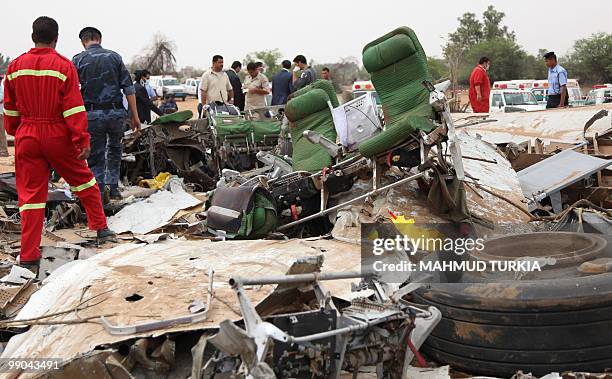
column 11, row 113
column 27, row 207
column 43, row 85
column 71, row 111
column 29, row 72
column 82, row 187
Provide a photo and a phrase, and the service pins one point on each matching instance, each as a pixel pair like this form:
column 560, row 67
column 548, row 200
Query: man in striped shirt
column 44, row 110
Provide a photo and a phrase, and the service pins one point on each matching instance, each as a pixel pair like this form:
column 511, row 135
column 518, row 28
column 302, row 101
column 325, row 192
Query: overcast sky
column 323, row 30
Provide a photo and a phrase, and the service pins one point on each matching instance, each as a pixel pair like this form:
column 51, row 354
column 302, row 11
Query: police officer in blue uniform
column 557, row 82
column 103, row 78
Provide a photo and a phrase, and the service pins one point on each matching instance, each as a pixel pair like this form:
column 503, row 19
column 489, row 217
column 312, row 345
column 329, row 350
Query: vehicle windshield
column 170, row 82
column 519, row 98
column 356, row 94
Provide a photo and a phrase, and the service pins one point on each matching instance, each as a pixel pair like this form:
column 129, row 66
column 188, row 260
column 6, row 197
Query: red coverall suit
column 44, row 110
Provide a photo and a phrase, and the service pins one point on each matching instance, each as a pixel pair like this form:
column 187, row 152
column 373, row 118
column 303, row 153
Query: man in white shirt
column 215, row 84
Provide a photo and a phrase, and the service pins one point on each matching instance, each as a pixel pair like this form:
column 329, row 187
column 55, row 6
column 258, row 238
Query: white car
column 167, row 85
column 192, row 86
column 508, row 100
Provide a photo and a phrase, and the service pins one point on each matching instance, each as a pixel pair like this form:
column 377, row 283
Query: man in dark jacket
column 307, row 75
column 103, row 78
column 143, row 102
column 282, row 84
column 236, row 84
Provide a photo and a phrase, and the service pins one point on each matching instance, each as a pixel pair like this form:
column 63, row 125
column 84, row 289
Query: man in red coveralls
column 480, row 87
column 44, row 110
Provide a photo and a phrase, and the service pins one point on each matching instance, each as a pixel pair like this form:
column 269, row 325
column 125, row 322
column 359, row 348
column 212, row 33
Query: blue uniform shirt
column 557, row 77
column 103, row 77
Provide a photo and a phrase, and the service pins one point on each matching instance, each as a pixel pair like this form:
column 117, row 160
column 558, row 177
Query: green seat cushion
column 398, row 132
column 176, row 117
column 255, row 131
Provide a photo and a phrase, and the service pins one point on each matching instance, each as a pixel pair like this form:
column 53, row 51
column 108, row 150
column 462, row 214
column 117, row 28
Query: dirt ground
column 190, row 103
column 7, row 164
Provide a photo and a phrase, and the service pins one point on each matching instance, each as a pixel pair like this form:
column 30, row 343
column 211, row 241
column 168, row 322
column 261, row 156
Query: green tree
column 508, row 60
column 343, row 72
column 534, row 67
column 270, row 59
column 4, row 62
column 437, row 68
column 492, row 28
column 469, row 32
column 590, row 59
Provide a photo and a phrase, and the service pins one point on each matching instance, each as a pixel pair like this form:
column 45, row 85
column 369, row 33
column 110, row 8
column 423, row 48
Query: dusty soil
column 7, row 164
column 190, row 103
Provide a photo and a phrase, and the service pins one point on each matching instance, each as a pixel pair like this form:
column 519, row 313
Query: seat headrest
column 306, row 104
column 390, row 48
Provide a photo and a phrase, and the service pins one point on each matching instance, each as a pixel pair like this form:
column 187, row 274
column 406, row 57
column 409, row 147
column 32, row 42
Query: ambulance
column 540, row 91
column 600, row 94
column 539, row 88
column 361, row 87
column 513, row 96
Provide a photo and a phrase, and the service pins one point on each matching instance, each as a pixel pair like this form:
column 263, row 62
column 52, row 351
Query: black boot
column 114, row 193
column 33, row 266
column 106, row 235
column 105, row 193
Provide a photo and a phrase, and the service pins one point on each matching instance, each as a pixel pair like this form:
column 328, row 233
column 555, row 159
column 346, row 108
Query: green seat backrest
column 398, row 66
column 323, row 84
column 309, row 111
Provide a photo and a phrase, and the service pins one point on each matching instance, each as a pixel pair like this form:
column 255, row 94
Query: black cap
column 550, row 54
column 91, row 31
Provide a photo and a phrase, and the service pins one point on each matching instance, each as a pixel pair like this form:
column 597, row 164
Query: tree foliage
column 190, row 72
column 472, row 37
column 4, row 62
column 438, row 68
column 343, row 73
column 492, row 27
column 158, row 57
column 270, row 58
column 469, row 32
column 507, row 57
column 590, row 59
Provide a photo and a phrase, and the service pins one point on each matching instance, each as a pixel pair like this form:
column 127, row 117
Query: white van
column 540, row 91
column 509, row 100
column 539, row 88
column 600, row 94
column 167, row 84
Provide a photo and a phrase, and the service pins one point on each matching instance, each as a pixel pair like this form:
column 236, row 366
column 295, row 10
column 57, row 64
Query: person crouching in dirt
column 169, row 104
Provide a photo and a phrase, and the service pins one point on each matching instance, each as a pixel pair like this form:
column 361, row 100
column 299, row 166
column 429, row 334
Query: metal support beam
column 358, row 198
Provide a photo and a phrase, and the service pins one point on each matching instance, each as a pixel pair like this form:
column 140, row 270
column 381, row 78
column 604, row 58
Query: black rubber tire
column 540, row 327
